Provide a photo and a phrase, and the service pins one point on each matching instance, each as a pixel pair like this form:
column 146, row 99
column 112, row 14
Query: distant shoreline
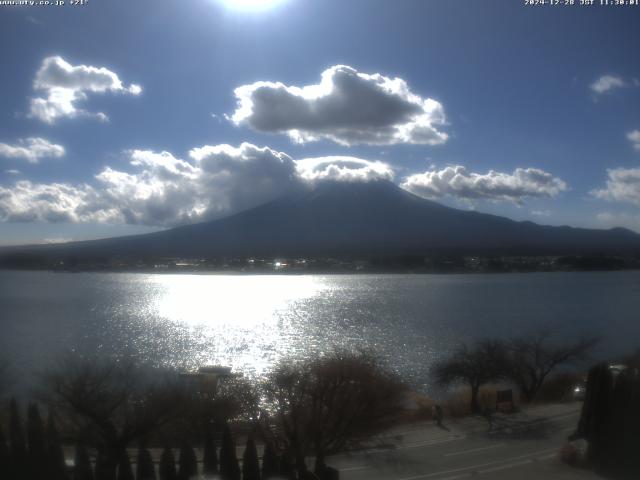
column 296, row 265
column 231, row 272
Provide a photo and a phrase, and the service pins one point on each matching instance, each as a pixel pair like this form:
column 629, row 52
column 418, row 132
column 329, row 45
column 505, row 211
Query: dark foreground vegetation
column 607, row 437
column 526, row 362
column 118, row 421
column 302, row 411
column 609, row 426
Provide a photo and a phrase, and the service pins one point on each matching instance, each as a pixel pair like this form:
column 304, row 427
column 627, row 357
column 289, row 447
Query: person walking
column 438, row 414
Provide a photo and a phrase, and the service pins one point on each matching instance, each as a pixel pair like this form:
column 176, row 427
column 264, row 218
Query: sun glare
column 188, row 299
column 236, row 319
column 251, row 5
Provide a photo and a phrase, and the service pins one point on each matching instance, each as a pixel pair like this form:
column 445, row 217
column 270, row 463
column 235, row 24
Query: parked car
column 617, row 369
column 579, row 391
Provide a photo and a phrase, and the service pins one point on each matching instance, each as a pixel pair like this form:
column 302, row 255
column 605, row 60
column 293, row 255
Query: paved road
column 519, row 446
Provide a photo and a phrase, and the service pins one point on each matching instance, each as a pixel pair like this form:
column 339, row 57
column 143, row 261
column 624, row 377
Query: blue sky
column 528, row 112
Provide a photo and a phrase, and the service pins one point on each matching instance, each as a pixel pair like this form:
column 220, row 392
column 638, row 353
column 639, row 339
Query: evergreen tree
column 210, row 458
column 287, row 470
column 55, row 454
column 229, row 468
column 18, row 449
column 622, row 439
column 168, row 465
column 270, row 463
column 37, row 447
column 125, row 472
column 324, row 472
column 102, row 470
column 250, row 463
column 188, row 463
column 82, row 470
column 5, row 457
column 145, row 469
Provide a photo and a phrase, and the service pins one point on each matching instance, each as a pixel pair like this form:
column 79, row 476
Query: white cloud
column 457, row 181
column 55, row 202
column 12, row 171
column 606, row 83
column 31, row 149
column 348, row 169
column 541, row 213
column 634, row 138
column 54, row 240
column 162, row 190
column 134, row 89
column 234, row 179
column 219, row 180
column 623, row 185
column 158, row 191
column 64, row 85
column 346, row 107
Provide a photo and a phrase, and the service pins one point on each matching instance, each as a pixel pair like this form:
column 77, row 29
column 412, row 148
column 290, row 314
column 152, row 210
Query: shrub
column 145, row 469
column 270, row 464
column 250, row 464
column 167, row 468
column 36, row 441
column 82, row 470
column 210, row 458
column 229, row 467
column 125, row 472
column 19, row 462
column 188, row 463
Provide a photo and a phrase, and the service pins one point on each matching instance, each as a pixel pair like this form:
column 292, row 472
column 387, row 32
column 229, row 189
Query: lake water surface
column 251, row 321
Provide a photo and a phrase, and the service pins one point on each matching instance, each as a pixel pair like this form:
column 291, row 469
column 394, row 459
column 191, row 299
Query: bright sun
column 251, row 5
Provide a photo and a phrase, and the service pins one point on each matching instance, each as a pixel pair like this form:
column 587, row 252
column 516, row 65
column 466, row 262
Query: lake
column 251, row 321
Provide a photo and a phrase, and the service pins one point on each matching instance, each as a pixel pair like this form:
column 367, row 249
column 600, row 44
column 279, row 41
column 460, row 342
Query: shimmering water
column 249, row 322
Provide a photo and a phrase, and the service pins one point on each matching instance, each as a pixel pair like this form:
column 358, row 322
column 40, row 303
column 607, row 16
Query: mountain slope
column 376, row 218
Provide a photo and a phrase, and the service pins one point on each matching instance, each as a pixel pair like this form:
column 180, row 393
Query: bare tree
column 326, row 405
column 484, row 362
column 236, row 399
column 111, row 404
column 532, row 358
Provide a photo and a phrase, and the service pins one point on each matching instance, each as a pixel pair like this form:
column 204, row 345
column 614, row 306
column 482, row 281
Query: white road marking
column 353, row 469
column 516, row 464
column 453, row 454
column 429, row 443
column 470, row 468
column 504, row 463
column 476, row 420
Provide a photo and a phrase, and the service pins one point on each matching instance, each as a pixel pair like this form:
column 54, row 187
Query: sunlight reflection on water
column 242, row 302
column 249, row 322
column 243, row 321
